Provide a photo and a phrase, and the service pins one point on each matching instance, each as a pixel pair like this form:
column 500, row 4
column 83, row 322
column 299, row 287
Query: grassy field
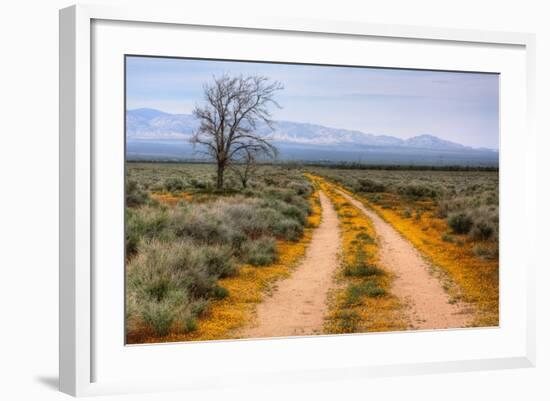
column 186, row 243
column 199, row 260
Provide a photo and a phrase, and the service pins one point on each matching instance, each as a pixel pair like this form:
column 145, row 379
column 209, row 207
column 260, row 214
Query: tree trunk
column 219, row 181
column 245, row 174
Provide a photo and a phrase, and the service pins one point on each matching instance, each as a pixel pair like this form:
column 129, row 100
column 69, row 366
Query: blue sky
column 460, row 107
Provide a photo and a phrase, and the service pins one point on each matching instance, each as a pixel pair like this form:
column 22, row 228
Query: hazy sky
column 460, row 107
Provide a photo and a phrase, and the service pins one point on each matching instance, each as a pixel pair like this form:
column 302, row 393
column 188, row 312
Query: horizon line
column 335, row 128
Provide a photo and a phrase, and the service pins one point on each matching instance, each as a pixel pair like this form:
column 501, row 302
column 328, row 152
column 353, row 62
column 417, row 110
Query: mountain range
column 155, row 135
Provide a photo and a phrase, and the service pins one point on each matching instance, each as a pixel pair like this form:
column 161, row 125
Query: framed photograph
column 273, row 200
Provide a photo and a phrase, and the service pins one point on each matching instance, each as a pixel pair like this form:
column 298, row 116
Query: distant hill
column 156, row 135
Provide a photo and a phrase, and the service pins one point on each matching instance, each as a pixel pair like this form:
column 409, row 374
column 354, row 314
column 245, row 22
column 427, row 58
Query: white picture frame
column 78, row 162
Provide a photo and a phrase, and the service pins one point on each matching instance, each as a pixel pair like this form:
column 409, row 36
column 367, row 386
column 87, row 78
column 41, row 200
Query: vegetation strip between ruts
column 362, row 300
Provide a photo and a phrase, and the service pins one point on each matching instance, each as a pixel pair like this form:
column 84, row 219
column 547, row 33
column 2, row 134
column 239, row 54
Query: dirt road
column 429, row 306
column 299, row 303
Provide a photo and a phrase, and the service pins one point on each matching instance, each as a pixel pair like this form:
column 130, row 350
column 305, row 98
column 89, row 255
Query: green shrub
column 174, row 184
column 362, row 270
column 204, row 225
column 460, row 223
column 199, row 283
column 144, row 224
column 260, row 252
column 482, row 231
column 417, row 191
column 219, row 292
column 147, row 223
column 131, row 243
column 354, row 295
column 356, row 292
column 170, row 284
column 364, row 237
column 159, row 316
column 157, row 288
column 189, row 324
column 348, row 321
column 302, row 188
column 454, row 204
column 175, row 265
column 368, row 185
column 199, row 184
column 247, row 216
column 288, row 229
column 198, row 307
column 219, row 261
column 295, row 213
column 135, row 195
column 372, row 289
column 161, row 311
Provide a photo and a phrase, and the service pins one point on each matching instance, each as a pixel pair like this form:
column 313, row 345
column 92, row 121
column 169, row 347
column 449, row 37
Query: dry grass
column 362, row 301
column 173, row 208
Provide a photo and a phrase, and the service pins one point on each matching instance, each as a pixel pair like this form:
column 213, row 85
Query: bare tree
column 245, row 166
column 229, row 118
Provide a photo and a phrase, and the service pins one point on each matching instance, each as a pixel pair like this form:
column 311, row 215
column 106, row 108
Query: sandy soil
column 299, row 303
column 428, row 303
